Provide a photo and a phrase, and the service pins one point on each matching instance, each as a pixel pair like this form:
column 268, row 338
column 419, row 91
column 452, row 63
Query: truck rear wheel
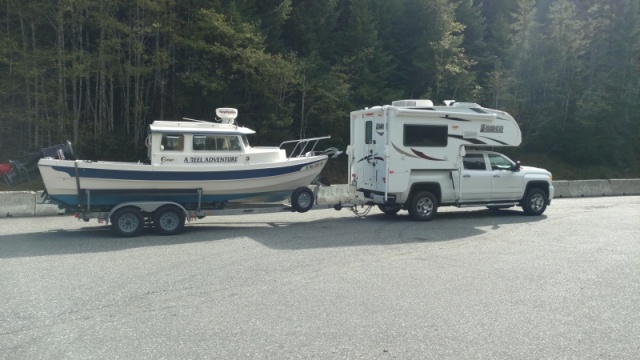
column 127, row 222
column 169, row 220
column 424, row 206
column 302, row 199
column 535, row 202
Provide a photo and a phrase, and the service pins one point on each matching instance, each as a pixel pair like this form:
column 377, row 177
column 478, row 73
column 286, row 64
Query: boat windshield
column 216, row 143
column 245, row 141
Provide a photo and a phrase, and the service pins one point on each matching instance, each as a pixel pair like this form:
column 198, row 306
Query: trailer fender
column 147, row 206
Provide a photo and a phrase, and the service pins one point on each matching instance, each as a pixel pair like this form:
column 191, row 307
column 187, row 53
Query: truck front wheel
column 423, row 206
column 535, row 202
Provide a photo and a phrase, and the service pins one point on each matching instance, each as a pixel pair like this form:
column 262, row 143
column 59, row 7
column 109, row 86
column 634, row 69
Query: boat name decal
column 211, row 159
column 165, row 159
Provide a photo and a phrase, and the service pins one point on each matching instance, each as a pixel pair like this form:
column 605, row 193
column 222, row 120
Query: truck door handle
column 467, row 175
column 496, row 176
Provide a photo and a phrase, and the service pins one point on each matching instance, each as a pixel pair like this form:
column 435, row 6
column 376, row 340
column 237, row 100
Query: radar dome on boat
column 227, row 115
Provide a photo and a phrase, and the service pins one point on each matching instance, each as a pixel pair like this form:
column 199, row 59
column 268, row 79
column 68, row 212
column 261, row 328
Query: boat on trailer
column 193, row 166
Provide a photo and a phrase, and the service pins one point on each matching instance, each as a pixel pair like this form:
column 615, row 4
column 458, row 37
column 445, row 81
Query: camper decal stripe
column 472, row 141
column 371, row 157
column 454, row 118
column 402, row 152
column 418, row 153
column 477, row 141
column 422, row 155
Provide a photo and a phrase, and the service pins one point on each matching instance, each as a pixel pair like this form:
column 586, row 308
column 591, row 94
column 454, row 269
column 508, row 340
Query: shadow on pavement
column 329, row 232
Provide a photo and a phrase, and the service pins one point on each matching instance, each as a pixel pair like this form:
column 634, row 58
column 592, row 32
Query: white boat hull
column 75, row 183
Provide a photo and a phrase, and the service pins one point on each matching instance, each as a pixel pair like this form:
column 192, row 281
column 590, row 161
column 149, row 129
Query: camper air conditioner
column 412, row 103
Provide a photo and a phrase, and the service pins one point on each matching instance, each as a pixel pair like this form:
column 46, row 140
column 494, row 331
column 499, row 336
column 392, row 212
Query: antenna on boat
column 227, row 115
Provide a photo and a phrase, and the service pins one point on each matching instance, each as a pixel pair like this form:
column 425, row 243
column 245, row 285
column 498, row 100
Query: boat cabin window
column 216, row 143
column 172, row 142
column 426, row 135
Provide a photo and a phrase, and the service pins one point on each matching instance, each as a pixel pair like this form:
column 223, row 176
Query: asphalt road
column 328, row 285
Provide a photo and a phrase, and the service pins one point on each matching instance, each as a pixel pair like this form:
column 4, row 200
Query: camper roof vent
column 465, row 105
column 412, row 103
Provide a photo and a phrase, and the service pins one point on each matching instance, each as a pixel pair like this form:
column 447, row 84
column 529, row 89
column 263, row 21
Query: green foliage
column 98, row 72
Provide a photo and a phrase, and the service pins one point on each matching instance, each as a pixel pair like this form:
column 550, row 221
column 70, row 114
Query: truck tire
column 127, row 222
column 389, row 210
column 535, row 202
column 424, row 206
column 302, row 199
column 169, row 220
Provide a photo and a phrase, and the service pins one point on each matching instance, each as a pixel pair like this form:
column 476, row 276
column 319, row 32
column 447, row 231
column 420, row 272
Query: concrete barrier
column 44, row 209
column 561, row 189
column 17, row 203
column 29, row 203
column 587, row 188
column 625, row 186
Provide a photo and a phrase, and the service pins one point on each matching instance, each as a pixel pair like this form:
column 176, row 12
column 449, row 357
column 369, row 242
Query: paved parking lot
column 326, row 284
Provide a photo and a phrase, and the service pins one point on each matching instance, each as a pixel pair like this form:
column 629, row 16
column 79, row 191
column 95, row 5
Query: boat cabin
column 195, row 141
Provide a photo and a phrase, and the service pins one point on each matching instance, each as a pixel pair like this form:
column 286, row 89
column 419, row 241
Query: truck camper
column 412, row 155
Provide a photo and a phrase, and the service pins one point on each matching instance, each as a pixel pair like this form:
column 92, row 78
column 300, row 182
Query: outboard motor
column 22, row 171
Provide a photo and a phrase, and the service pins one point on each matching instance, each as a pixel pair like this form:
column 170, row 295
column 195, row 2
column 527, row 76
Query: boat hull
column 76, row 183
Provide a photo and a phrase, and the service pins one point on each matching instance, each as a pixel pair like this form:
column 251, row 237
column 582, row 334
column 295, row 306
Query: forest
column 97, row 72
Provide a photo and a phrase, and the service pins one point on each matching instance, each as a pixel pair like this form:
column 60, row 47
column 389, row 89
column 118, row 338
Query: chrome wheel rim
column 537, row 202
column 304, row 200
column 424, row 206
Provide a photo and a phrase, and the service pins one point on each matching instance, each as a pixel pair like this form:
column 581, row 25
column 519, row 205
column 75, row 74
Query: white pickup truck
column 487, row 179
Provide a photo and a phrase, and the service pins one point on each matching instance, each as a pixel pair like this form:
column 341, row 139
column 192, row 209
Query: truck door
column 476, row 179
column 505, row 184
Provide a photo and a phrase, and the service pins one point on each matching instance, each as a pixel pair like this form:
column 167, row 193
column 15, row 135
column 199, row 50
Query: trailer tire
column 127, row 222
column 535, row 202
column 424, row 206
column 302, row 199
column 169, row 220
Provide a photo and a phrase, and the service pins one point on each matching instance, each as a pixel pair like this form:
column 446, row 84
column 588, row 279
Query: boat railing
column 303, row 147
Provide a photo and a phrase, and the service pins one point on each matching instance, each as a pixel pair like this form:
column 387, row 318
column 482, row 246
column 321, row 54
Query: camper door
column 365, row 156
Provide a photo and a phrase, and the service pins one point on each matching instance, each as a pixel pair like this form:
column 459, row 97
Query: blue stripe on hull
column 156, row 175
column 112, row 199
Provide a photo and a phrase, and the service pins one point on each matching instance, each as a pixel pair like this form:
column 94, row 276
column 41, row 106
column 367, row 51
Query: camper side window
column 474, row 162
column 426, row 135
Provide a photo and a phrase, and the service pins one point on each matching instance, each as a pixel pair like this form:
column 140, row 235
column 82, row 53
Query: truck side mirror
column 516, row 167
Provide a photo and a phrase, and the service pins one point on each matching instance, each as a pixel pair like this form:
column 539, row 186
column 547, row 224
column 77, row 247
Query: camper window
column 474, row 162
column 426, row 135
column 368, row 132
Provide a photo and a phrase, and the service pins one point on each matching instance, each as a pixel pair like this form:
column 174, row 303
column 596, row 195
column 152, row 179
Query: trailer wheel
column 169, row 220
column 535, row 202
column 302, row 199
column 423, row 206
column 127, row 222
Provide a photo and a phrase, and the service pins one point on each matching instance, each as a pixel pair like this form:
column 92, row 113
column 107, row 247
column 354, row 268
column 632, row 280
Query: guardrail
column 30, row 203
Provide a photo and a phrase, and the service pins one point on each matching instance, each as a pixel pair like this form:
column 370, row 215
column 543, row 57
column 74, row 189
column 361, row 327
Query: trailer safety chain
column 363, row 212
